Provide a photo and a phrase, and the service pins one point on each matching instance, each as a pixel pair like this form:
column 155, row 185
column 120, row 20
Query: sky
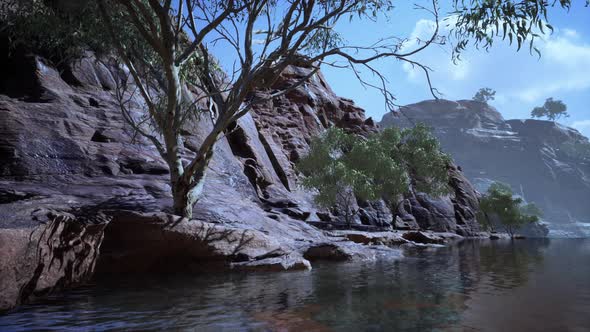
column 521, row 80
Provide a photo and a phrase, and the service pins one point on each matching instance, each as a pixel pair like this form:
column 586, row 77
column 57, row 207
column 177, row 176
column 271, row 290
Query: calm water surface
column 526, row 285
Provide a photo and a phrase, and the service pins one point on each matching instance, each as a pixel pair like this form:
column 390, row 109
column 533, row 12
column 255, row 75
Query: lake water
column 522, row 285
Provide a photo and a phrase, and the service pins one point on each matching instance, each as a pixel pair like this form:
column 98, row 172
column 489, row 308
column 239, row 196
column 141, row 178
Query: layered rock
column 527, row 154
column 158, row 242
column 65, row 150
column 287, row 124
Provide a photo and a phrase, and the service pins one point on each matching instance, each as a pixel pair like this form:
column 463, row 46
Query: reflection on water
column 472, row 286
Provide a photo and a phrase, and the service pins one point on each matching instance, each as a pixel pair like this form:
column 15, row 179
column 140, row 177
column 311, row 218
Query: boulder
column 430, row 238
column 60, row 253
column 274, row 264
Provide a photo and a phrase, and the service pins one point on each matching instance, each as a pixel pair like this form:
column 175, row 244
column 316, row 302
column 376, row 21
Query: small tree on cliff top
column 484, row 95
column 265, row 36
column 343, row 167
column 551, row 109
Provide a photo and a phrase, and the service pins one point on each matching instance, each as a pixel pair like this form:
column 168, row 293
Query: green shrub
column 512, row 213
column 342, row 166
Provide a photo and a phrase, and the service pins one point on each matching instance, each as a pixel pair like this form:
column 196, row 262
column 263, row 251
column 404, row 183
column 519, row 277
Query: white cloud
column 581, row 125
column 422, row 32
column 570, row 33
column 564, row 66
column 521, row 80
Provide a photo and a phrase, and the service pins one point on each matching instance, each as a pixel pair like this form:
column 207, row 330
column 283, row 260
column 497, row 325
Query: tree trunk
column 187, row 183
column 510, row 231
column 395, row 210
column 185, row 194
column 347, row 218
column 489, row 222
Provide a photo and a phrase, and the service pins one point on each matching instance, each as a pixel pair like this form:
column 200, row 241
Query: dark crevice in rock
column 93, row 102
column 19, row 79
column 100, row 137
column 296, row 213
column 158, row 243
column 9, row 196
column 275, row 163
column 68, row 76
column 29, row 288
column 123, row 253
column 135, row 166
column 280, row 203
column 238, row 142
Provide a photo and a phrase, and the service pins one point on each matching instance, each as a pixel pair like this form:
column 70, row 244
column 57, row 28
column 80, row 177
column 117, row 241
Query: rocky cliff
column 80, row 194
column 527, row 154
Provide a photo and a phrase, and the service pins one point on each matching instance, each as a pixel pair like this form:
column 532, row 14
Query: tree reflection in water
column 509, row 263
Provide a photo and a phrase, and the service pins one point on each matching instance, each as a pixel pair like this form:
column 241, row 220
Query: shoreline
column 71, row 250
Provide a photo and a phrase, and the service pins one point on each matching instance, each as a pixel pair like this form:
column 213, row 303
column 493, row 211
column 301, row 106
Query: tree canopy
column 479, row 22
column 63, row 30
column 484, row 95
column 552, row 110
column 512, row 213
column 343, row 167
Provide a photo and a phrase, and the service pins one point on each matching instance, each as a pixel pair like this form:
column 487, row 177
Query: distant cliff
column 530, row 155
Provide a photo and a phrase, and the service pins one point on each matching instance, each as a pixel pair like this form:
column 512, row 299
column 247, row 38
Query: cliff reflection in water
column 474, row 285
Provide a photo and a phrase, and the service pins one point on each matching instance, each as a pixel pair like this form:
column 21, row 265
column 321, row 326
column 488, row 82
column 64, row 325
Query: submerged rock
column 286, row 262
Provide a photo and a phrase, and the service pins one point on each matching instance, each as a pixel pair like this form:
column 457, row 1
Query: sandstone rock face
column 287, row 124
column 58, row 254
column 158, row 242
column 527, row 154
column 66, row 150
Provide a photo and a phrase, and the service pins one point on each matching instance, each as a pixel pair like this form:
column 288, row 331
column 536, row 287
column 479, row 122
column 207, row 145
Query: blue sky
column 522, row 81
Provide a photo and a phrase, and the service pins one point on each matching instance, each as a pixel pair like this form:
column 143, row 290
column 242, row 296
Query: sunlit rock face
column 65, row 149
column 64, row 144
column 527, row 154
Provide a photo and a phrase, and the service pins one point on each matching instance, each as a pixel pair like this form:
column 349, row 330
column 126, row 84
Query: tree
column 328, row 171
column 480, row 22
column 266, row 36
column 499, row 202
column 552, row 109
column 181, row 35
column 484, row 95
column 172, row 56
column 46, row 28
column 343, row 167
